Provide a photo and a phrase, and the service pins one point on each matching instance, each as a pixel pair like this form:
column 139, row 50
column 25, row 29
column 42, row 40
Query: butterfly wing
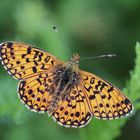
column 23, row 61
column 105, row 100
column 36, row 92
column 74, row 110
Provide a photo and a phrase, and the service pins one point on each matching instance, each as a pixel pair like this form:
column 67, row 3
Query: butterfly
column 70, row 95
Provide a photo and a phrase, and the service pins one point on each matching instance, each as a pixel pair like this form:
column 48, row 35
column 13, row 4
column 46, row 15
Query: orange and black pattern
column 35, row 92
column 71, row 96
column 105, row 100
column 23, row 61
column 74, row 111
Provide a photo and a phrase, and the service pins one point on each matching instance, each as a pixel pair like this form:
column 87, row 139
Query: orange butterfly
column 71, row 96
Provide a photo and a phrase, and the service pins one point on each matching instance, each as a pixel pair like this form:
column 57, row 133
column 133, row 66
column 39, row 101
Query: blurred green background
column 90, row 28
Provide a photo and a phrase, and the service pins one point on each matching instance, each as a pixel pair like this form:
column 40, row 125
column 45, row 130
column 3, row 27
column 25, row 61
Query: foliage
column 88, row 27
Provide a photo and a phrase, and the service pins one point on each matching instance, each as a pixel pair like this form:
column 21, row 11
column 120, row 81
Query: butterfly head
column 75, row 59
column 74, row 62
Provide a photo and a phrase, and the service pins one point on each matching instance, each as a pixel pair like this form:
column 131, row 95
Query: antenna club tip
column 54, row 28
column 112, row 55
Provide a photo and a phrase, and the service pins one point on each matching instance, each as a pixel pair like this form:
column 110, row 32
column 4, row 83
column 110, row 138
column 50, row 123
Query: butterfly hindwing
column 74, row 110
column 106, row 101
column 36, row 92
column 23, row 61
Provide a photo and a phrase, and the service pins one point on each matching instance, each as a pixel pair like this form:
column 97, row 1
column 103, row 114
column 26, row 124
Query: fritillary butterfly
column 71, row 96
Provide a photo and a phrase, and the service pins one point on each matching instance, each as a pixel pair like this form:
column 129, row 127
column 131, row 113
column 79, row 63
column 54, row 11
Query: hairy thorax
column 65, row 78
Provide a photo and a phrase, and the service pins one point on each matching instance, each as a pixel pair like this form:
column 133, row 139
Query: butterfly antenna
column 61, row 38
column 100, row 56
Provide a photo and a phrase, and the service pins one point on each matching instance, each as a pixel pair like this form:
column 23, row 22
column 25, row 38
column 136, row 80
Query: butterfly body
column 70, row 95
column 66, row 77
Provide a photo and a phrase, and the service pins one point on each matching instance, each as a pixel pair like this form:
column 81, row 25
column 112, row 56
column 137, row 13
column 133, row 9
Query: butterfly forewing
column 105, row 100
column 23, row 61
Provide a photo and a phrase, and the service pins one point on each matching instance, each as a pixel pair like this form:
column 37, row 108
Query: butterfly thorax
column 67, row 76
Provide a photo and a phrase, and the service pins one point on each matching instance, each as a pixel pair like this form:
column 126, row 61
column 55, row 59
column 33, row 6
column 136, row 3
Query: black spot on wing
column 34, row 69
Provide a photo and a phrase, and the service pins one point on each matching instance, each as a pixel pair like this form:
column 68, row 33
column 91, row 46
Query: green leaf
column 133, row 86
